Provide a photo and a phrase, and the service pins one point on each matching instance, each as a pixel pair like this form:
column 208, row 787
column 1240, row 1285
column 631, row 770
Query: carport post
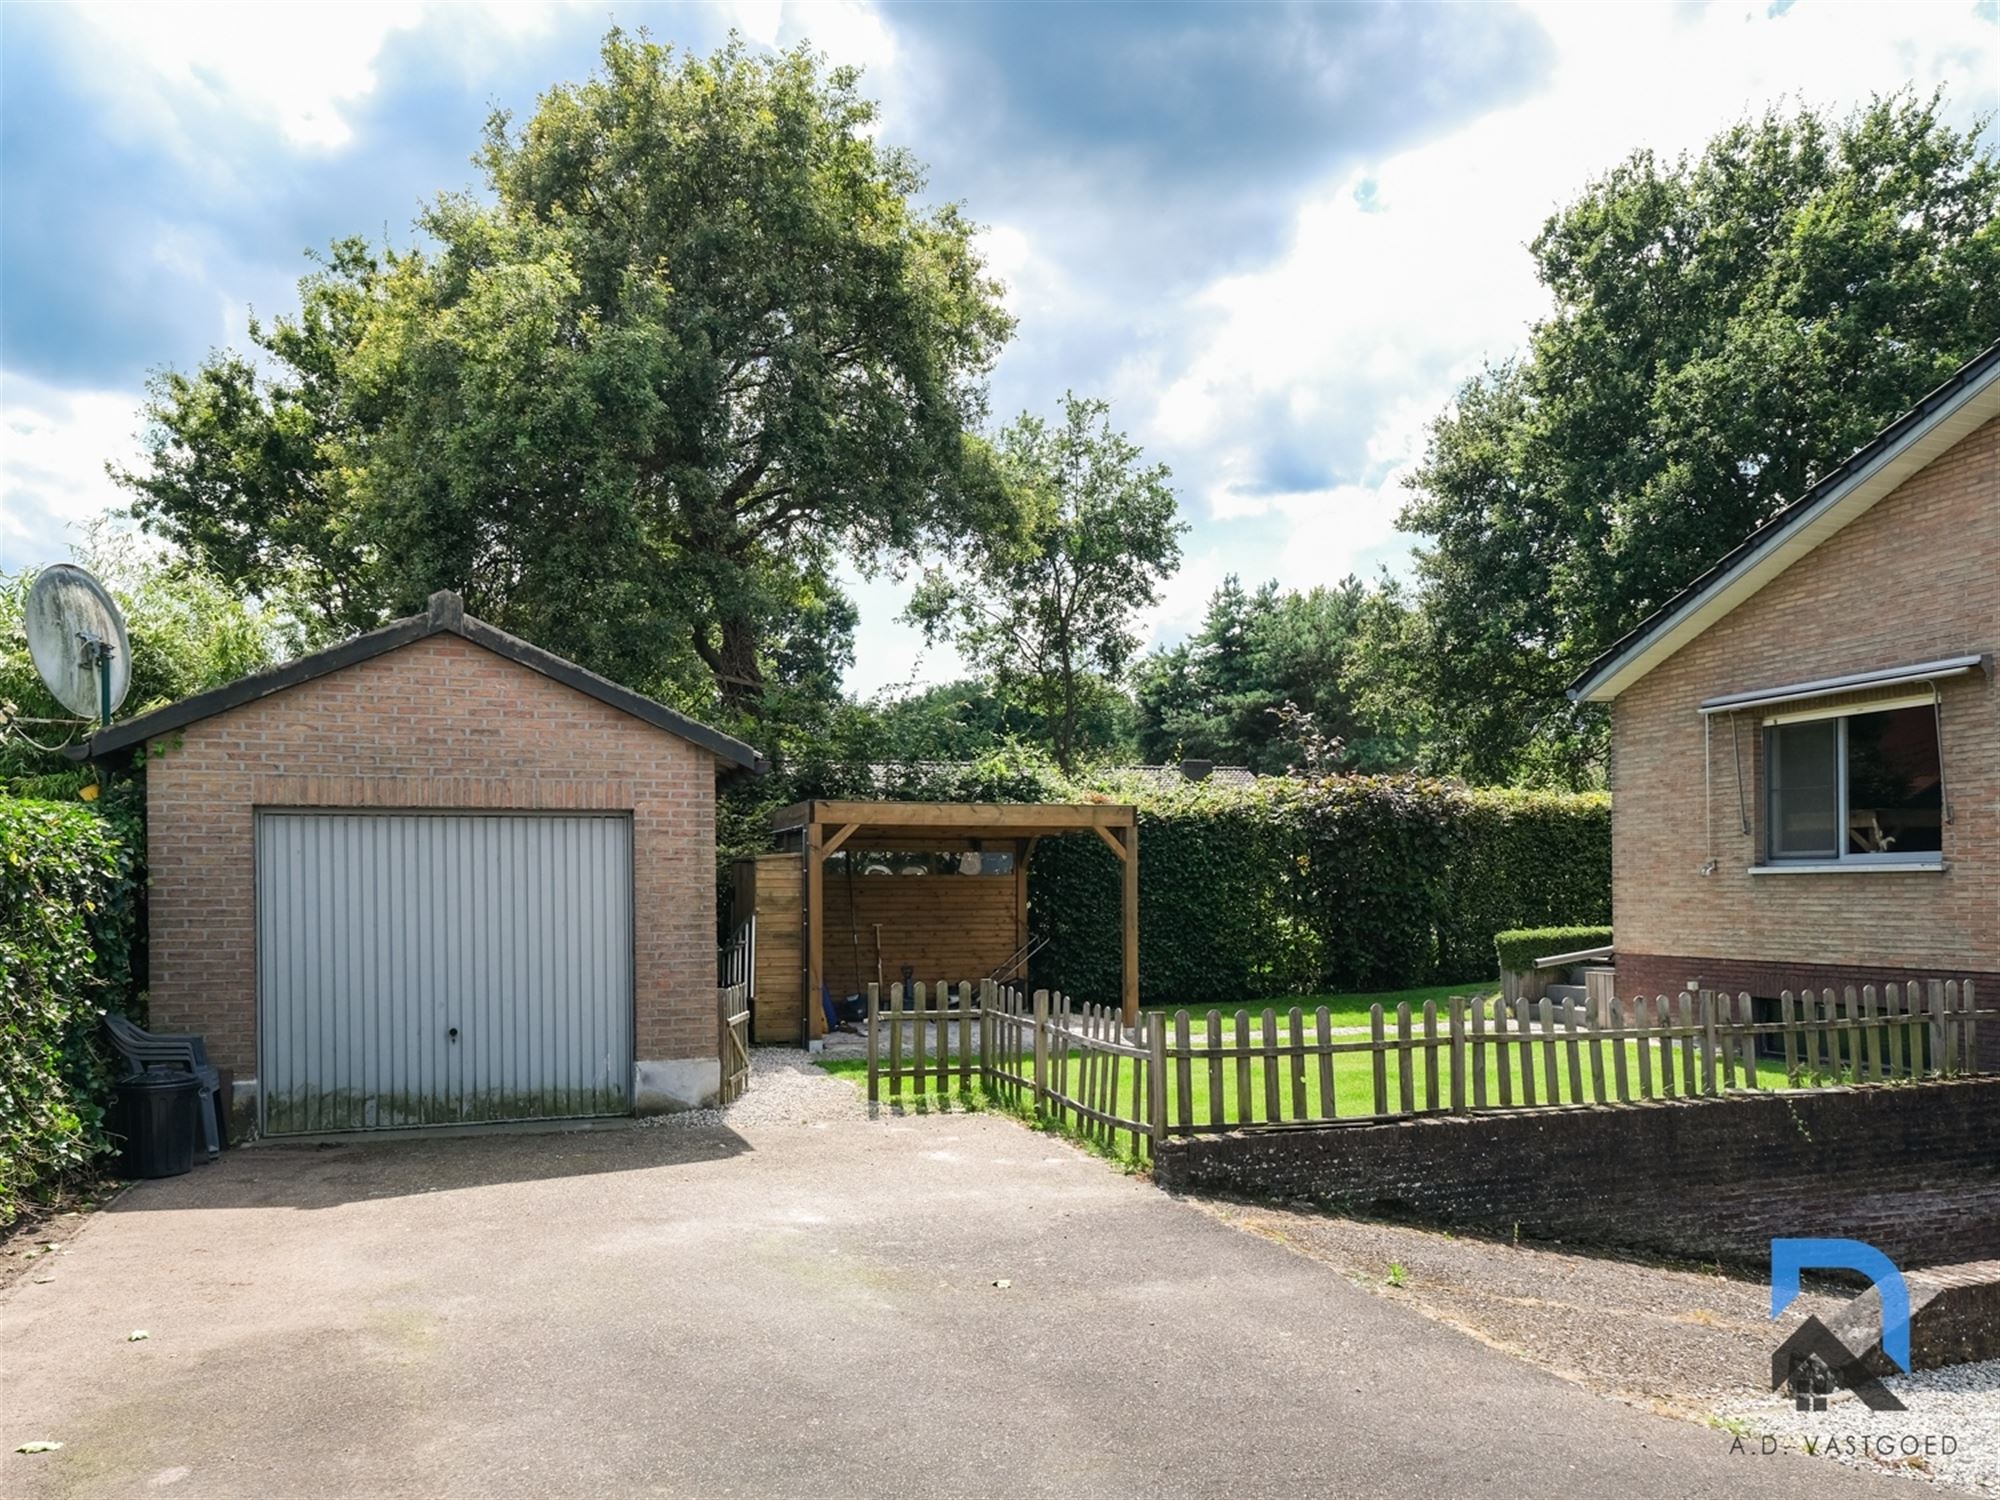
column 1131, row 923
column 815, row 926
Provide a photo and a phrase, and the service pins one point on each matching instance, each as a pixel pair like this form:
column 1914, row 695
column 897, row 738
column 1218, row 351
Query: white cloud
column 1387, row 298
column 54, row 445
column 297, row 67
column 292, row 66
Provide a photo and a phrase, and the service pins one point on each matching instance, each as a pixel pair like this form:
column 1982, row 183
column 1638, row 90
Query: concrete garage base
column 675, row 1083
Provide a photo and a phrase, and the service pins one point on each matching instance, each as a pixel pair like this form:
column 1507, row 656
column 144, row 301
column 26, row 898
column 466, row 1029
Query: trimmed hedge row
column 67, row 912
column 1519, row 947
column 1341, row 883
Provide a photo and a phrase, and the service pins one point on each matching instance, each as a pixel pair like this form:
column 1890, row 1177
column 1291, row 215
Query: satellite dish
column 76, row 637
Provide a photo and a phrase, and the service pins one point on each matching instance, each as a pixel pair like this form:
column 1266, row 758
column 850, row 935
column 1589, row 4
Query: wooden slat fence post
column 1431, row 1056
column 965, row 1033
column 1183, row 1070
column 1791, row 1039
column 1295, row 1059
column 874, row 1043
column 1479, row 1054
column 1272, row 1099
column 1041, row 1050
column 1871, row 1053
column 1405, row 1073
column 1245, row 1100
column 1706, row 1003
column 1684, row 1005
column 1597, row 1059
column 1457, row 1003
column 1156, row 1074
column 895, row 1041
column 1323, row 1030
column 1619, row 1068
column 1212, row 1037
column 1525, row 1034
column 1378, row 1060
column 1551, row 1073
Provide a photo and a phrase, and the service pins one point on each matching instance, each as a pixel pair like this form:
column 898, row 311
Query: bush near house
column 67, row 919
column 1519, row 947
column 1310, row 885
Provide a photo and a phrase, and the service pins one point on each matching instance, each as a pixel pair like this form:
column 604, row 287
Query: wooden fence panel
column 1078, row 1064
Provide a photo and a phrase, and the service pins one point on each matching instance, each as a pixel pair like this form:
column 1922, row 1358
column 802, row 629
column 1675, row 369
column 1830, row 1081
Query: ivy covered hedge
column 1340, row 883
column 67, row 918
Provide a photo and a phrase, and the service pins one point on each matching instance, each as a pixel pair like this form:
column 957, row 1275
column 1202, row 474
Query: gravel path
column 1950, row 1435
column 786, row 1088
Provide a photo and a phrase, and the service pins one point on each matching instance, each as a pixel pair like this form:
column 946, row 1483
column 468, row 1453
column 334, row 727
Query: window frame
column 1921, row 859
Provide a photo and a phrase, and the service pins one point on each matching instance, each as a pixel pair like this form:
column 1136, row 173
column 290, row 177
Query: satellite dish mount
column 77, row 638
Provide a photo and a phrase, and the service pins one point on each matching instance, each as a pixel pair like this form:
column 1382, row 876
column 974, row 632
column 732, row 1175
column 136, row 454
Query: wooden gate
column 735, row 999
column 737, row 968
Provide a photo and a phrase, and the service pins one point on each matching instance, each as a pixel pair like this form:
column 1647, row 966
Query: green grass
column 1342, row 1010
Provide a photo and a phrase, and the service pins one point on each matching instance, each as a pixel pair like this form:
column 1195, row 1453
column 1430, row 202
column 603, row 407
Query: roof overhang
column 1958, row 408
column 445, row 616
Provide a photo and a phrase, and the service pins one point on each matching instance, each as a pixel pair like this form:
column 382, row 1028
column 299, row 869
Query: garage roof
column 446, row 616
column 1966, row 401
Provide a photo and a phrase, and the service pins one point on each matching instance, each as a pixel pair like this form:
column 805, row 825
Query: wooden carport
column 821, row 829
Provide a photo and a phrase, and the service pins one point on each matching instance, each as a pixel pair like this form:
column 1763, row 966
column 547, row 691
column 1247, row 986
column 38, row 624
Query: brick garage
column 1909, row 1169
column 435, row 714
column 1893, row 562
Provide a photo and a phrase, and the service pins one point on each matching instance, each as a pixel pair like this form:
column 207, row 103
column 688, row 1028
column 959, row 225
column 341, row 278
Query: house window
column 1860, row 787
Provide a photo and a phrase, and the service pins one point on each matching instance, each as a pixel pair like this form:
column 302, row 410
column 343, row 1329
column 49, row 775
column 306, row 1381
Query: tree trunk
column 738, row 677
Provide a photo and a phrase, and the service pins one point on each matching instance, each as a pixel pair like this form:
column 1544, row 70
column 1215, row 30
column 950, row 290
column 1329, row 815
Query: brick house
column 1806, row 741
column 435, row 874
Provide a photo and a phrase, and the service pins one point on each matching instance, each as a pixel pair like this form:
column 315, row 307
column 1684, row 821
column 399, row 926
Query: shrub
column 1335, row 883
column 1519, row 947
column 67, row 897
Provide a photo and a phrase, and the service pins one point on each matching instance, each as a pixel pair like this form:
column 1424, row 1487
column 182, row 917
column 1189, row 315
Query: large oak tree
column 697, row 342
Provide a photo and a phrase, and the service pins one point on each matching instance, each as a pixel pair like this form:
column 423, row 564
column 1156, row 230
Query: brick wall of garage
column 1916, row 578
column 439, row 723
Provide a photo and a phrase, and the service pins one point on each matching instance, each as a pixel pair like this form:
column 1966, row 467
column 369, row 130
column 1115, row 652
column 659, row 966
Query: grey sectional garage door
column 434, row 969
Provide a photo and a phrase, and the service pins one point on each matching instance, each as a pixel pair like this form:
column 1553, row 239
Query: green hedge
column 1342, row 883
column 1519, row 947
column 67, row 895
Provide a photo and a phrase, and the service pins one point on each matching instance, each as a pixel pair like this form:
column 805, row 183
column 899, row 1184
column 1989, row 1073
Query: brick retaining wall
column 1913, row 1169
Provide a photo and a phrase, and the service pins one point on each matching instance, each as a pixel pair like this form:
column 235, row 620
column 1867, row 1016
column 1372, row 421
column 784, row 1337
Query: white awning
column 1854, row 682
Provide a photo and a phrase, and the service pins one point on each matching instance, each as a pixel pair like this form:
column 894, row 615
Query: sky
column 1276, row 238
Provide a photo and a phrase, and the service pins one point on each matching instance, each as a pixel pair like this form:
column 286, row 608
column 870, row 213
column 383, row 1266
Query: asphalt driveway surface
column 772, row 1309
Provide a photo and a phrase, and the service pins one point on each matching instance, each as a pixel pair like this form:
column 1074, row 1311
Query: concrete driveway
column 767, row 1309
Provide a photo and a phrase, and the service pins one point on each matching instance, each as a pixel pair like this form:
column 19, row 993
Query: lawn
column 1342, row 1010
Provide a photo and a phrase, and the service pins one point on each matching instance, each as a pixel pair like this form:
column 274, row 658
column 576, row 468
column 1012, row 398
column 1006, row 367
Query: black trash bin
column 159, row 1109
